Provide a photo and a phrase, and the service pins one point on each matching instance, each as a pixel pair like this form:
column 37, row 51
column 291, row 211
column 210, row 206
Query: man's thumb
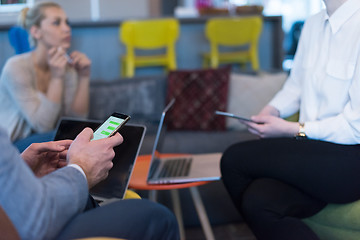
column 85, row 135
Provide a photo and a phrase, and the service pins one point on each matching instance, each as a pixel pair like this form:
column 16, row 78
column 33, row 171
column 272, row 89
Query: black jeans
column 276, row 182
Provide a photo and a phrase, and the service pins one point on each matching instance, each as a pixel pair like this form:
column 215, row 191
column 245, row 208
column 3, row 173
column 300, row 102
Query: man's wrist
column 79, row 169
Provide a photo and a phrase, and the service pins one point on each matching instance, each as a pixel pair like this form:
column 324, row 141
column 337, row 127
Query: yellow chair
column 148, row 35
column 240, row 32
column 130, row 194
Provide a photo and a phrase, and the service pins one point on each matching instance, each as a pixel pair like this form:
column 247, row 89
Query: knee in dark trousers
column 135, row 219
column 274, row 210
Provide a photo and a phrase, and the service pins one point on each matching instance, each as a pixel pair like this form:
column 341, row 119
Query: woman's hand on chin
column 81, row 63
column 57, row 62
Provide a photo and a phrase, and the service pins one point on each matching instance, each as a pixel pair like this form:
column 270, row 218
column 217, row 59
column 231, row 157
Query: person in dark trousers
column 296, row 168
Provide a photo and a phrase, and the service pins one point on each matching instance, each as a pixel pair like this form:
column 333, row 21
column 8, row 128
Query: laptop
column 188, row 168
column 115, row 185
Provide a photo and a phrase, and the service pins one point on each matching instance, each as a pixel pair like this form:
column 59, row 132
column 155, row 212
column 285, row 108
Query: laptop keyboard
column 176, row 168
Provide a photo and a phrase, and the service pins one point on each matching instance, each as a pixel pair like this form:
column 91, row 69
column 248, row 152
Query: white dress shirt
column 78, row 168
column 324, row 84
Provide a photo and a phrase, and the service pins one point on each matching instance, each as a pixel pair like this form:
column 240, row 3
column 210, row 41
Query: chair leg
column 123, row 68
column 214, row 62
column 254, row 61
column 177, row 210
column 205, row 62
column 204, row 220
column 171, row 65
column 128, row 68
column 255, row 64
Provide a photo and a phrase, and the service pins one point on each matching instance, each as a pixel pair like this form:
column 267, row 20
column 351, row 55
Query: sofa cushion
column 248, row 94
column 198, row 94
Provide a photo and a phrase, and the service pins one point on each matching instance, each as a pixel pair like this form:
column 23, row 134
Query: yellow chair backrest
column 234, row 31
column 149, row 34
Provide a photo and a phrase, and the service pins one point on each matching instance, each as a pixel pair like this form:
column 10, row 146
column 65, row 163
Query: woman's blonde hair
column 33, row 16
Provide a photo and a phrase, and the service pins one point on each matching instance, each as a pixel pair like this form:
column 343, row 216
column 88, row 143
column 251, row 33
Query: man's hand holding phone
column 94, row 157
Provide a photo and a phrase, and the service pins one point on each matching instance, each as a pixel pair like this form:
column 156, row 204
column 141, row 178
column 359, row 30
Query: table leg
column 204, row 220
column 152, row 195
column 177, row 210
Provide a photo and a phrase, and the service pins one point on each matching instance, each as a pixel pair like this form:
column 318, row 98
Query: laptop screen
column 160, row 132
column 126, row 153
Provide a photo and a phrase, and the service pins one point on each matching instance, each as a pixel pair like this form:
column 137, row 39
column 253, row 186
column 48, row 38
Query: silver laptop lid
column 158, row 133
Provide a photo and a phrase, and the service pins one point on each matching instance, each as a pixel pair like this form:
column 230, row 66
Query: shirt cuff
column 78, row 168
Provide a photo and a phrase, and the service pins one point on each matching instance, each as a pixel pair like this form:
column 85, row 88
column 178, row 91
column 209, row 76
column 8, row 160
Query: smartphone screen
column 110, row 126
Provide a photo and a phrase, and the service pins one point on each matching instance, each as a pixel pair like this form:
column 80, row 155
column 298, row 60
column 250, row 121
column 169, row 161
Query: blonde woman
column 38, row 87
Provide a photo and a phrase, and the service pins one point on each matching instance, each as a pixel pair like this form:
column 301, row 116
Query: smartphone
column 113, row 124
column 227, row 114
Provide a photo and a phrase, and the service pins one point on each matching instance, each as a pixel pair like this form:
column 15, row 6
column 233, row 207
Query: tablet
column 227, row 114
column 115, row 185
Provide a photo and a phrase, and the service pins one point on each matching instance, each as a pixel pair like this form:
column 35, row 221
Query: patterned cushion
column 198, row 94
